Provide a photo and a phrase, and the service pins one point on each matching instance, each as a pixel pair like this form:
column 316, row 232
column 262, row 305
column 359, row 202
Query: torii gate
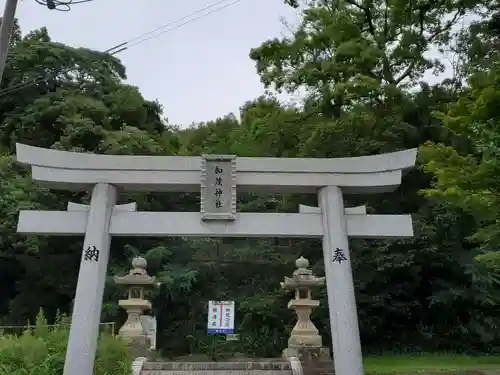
column 218, row 176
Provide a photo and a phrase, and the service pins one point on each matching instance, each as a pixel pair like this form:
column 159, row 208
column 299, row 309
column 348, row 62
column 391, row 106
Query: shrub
column 41, row 350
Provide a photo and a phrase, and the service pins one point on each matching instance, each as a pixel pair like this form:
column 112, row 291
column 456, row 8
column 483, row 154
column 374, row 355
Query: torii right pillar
column 346, row 344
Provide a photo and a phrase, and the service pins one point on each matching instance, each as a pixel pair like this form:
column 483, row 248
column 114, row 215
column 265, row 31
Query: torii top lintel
column 77, row 171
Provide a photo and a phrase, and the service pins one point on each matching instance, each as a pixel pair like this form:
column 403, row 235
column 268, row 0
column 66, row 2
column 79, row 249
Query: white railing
column 19, row 330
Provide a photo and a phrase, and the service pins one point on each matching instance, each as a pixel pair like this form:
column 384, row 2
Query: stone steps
column 272, row 367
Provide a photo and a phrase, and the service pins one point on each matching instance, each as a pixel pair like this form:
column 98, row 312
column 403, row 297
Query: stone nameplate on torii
column 218, row 187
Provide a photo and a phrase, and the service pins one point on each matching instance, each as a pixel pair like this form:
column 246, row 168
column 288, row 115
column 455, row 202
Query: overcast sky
column 199, row 71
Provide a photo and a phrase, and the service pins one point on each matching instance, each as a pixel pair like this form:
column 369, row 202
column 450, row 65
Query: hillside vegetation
column 361, row 65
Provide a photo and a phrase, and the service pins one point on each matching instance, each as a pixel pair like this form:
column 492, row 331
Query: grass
column 41, row 349
column 430, row 363
column 408, row 364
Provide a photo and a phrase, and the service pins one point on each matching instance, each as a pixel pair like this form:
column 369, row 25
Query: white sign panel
column 220, row 317
column 149, row 324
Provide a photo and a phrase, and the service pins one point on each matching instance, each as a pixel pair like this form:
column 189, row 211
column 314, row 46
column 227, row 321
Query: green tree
column 71, row 99
column 345, row 52
column 466, row 170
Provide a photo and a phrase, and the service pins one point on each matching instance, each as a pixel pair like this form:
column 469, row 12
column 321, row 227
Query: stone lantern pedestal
column 133, row 331
column 305, row 339
column 133, row 327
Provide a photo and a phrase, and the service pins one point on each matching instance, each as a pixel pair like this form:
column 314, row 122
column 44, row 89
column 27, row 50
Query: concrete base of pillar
column 307, row 353
column 307, row 338
column 152, row 355
column 138, row 346
column 314, row 361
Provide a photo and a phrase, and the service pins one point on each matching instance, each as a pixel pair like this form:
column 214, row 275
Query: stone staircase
column 263, row 367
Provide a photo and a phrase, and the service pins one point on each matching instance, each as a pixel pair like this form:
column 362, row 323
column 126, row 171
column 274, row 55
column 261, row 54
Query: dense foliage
column 41, row 350
column 360, row 64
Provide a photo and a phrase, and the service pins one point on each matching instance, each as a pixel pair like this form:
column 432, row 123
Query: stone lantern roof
column 138, row 275
column 302, row 277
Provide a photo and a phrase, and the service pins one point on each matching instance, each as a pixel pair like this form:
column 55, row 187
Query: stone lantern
column 305, row 335
column 135, row 282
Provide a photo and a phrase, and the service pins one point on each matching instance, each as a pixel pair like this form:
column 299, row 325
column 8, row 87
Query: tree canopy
column 360, row 65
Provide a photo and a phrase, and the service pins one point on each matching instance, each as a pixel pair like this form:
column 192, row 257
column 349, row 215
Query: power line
column 60, row 5
column 129, row 43
column 8, row 19
column 172, row 22
column 35, row 81
column 23, row 85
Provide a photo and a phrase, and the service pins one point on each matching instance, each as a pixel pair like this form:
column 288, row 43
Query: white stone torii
column 105, row 174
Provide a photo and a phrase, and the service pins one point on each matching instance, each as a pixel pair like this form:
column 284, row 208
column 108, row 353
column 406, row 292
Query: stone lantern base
column 132, row 332
column 140, row 346
column 305, row 338
column 315, row 361
column 310, row 352
column 137, row 346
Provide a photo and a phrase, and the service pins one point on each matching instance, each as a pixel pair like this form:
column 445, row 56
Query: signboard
column 220, row 317
column 218, row 187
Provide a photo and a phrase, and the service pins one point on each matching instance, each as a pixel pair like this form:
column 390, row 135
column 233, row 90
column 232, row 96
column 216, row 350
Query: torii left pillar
column 84, row 332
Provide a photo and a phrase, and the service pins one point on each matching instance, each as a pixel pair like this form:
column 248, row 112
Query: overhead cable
column 169, row 27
